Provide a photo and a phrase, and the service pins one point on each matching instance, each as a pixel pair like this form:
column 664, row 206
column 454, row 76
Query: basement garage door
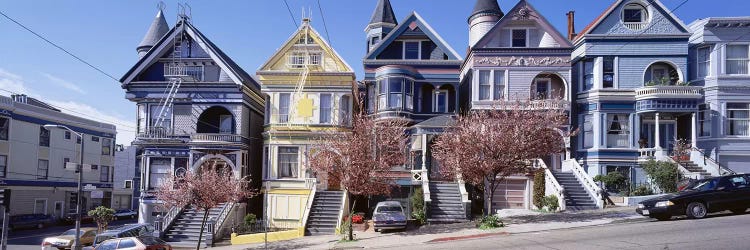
column 510, row 194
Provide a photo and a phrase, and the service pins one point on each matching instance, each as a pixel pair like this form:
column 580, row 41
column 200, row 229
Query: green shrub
column 250, row 219
column 614, row 181
column 417, row 206
column 490, row 222
column 665, row 175
column 642, row 190
column 419, row 216
column 539, row 186
column 551, row 202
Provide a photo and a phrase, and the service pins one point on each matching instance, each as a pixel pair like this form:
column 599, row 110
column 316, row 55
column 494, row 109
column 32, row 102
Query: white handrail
column 168, row 218
column 588, row 183
column 310, row 199
column 707, row 163
column 685, row 172
column 216, row 224
column 426, row 186
column 343, row 207
column 551, row 186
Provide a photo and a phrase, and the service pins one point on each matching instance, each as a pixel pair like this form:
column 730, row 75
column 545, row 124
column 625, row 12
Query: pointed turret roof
column 158, row 29
column 487, row 7
column 383, row 13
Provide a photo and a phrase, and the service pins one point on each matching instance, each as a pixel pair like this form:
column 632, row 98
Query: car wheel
column 696, row 210
column 738, row 211
column 663, row 217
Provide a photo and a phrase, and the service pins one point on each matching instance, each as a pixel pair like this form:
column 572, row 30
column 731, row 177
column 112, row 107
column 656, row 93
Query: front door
column 667, row 133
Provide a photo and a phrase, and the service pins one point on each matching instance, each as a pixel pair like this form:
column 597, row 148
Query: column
column 694, row 131
column 424, row 155
column 657, row 134
column 636, row 128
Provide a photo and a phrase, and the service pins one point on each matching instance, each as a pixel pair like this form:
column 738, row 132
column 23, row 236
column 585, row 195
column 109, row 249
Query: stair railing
column 588, row 183
column 710, row 164
column 426, row 191
column 551, row 185
column 168, row 219
column 313, row 185
column 215, row 225
column 342, row 209
column 685, row 172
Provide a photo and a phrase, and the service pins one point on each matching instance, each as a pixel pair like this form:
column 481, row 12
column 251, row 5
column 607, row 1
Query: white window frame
column 45, row 205
column 288, row 109
column 622, row 131
column 127, row 184
column 526, row 45
column 730, row 120
column 297, row 60
column 704, row 119
column 315, row 58
column 278, row 162
column 38, row 168
column 419, row 49
column 747, row 59
column 492, row 84
column 584, row 74
column 153, row 116
column 329, row 108
column 645, row 15
column 345, row 109
column 706, row 62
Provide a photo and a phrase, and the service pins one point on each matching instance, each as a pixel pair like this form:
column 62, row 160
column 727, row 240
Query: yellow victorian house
column 309, row 90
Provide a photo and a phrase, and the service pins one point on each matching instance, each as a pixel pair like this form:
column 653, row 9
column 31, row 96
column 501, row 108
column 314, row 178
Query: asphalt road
column 23, row 239
column 716, row 232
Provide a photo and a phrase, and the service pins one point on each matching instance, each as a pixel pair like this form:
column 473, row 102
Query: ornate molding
column 527, row 61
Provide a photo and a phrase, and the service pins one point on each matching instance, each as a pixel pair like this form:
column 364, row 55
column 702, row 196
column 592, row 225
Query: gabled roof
column 383, row 13
column 424, row 26
column 156, row 31
column 486, row 7
column 531, row 11
column 607, row 12
column 164, row 45
column 279, row 55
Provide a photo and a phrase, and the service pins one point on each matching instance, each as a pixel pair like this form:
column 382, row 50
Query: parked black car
column 702, row 197
column 30, row 221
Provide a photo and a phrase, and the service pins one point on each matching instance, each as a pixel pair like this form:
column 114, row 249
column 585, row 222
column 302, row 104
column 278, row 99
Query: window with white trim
column 608, row 73
column 345, row 107
column 315, row 58
column 634, row 13
column 738, row 119
column 297, row 60
column 288, row 158
column 43, row 137
column 618, row 131
column 412, row 49
column 42, row 169
column 588, row 74
column 166, row 121
column 326, row 105
column 104, row 174
column 284, row 102
column 519, row 38
column 395, row 93
column 703, row 61
column 491, row 84
column 704, row 120
column 737, row 59
column 588, row 131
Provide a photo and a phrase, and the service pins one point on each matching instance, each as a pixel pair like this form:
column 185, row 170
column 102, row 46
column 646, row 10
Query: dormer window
column 519, row 38
column 412, row 50
column 305, row 39
column 635, row 16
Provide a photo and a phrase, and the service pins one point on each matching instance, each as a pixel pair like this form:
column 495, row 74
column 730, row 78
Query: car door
column 721, row 196
column 744, row 192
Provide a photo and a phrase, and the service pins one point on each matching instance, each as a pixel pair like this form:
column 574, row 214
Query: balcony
column 635, row 25
column 157, row 135
column 218, row 139
column 668, row 92
column 549, row 104
column 185, row 72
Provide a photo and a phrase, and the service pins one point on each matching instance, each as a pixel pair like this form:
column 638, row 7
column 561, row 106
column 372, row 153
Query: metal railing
column 549, row 104
column 214, row 227
column 193, row 71
column 205, row 137
column 161, row 224
column 551, row 185
column 711, row 163
column 156, row 132
column 588, row 183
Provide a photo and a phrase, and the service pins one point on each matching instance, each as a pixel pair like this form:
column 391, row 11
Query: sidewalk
column 449, row 232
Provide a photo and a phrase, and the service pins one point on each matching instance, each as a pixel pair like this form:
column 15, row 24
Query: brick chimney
column 571, row 25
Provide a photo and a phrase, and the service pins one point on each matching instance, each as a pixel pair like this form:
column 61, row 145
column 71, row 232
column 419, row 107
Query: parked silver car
column 389, row 215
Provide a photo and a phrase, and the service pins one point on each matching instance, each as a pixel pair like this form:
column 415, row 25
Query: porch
column 659, row 132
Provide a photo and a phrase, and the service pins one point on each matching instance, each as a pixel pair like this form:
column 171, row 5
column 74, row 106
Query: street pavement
column 723, row 231
column 23, row 239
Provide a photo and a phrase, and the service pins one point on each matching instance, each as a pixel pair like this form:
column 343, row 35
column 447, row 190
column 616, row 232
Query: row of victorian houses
column 633, row 81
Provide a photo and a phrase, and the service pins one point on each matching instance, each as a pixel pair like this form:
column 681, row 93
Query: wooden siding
column 631, row 70
column 661, row 23
column 652, row 48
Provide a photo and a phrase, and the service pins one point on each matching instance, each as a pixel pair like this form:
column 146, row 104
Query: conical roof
column 158, row 29
column 487, row 7
column 383, row 13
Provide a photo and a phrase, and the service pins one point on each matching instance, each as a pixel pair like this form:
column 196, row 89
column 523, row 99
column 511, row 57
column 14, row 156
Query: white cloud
column 63, row 83
column 125, row 128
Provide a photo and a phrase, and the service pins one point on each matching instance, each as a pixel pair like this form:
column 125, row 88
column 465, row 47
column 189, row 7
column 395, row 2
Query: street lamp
column 77, row 241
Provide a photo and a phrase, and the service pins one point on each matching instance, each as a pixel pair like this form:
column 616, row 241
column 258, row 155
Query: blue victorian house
column 412, row 73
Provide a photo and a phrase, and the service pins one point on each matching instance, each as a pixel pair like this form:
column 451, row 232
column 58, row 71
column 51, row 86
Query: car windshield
column 70, row 232
column 704, row 185
column 102, row 238
column 385, row 209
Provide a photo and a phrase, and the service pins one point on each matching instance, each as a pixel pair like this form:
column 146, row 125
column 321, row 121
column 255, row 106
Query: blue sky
column 105, row 33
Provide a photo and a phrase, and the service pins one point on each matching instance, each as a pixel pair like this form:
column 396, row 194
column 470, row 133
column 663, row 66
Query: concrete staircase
column 694, row 168
column 446, row 206
column 576, row 196
column 187, row 226
column 324, row 213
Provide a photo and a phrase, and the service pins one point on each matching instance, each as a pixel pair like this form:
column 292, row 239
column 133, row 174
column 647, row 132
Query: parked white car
column 388, row 215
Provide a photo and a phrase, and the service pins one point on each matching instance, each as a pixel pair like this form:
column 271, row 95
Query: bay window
column 618, row 131
column 288, row 158
column 704, row 120
column 345, row 108
column 608, row 74
column 159, row 167
column 395, row 93
column 703, row 61
column 588, row 131
column 484, row 85
column 737, row 59
column 738, row 119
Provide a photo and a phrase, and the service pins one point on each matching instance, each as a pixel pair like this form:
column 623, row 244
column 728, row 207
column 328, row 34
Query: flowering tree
column 102, row 216
column 485, row 147
column 362, row 158
column 206, row 189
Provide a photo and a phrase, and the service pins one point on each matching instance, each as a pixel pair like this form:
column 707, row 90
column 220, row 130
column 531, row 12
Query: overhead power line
column 58, row 46
column 294, row 20
column 322, row 16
